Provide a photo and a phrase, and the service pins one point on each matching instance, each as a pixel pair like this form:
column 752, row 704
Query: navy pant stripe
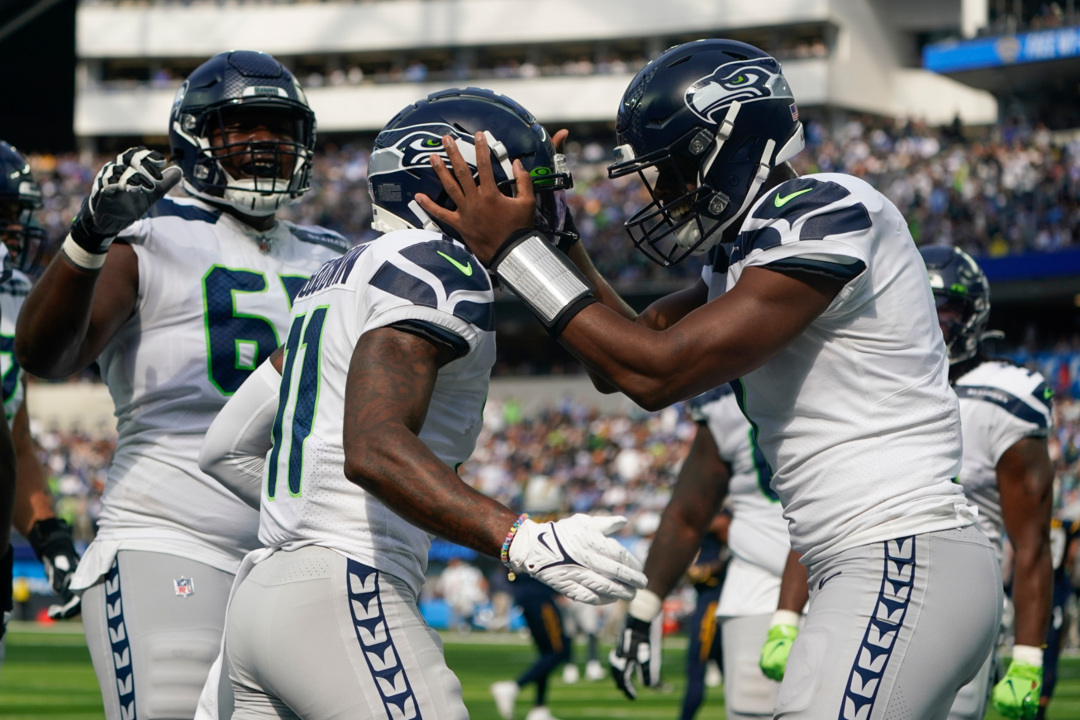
column 372, row 633
column 121, row 647
column 886, row 620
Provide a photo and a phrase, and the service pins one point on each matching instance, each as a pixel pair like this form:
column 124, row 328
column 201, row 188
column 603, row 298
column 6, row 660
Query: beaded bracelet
column 504, row 554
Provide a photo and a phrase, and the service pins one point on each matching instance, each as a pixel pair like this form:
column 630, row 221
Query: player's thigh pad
column 747, row 692
column 316, row 634
column 153, row 627
column 894, row 629
column 971, row 701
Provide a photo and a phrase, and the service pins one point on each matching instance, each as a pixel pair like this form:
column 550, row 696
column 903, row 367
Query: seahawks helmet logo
column 744, row 80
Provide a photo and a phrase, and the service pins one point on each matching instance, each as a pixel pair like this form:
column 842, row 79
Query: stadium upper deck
column 568, row 60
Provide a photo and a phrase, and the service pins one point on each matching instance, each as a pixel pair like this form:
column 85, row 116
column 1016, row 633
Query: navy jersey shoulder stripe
column 839, row 271
column 392, row 279
column 1007, row 401
column 838, row 222
column 167, row 207
column 455, row 267
column 482, row 315
column 319, row 236
column 757, row 239
column 698, row 402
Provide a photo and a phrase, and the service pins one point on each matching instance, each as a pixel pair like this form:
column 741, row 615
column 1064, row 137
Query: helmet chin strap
column 765, row 166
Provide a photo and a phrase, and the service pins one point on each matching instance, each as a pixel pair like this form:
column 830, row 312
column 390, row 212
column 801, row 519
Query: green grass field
column 47, row 673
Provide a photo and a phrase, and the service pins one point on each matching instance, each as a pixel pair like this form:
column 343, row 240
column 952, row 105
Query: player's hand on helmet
column 775, row 651
column 633, row 652
column 576, row 557
column 54, row 547
column 1017, row 694
column 484, row 216
column 122, row 192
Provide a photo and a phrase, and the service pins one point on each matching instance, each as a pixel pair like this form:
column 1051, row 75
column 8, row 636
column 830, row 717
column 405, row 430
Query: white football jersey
column 410, row 277
column 855, row 417
column 1000, row 404
column 13, row 294
column 758, row 535
column 213, row 303
column 758, row 532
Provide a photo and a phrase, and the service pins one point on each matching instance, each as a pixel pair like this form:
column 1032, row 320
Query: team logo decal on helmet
column 744, row 81
column 400, row 165
column 703, row 125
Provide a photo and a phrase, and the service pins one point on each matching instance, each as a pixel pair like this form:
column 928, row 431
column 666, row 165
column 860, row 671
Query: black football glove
column 633, row 651
column 7, row 604
column 54, row 547
column 123, row 191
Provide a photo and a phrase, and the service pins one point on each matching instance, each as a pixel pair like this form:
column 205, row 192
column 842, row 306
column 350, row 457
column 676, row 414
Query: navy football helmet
column 20, row 196
column 959, row 284
column 702, row 125
column 400, row 165
column 228, row 85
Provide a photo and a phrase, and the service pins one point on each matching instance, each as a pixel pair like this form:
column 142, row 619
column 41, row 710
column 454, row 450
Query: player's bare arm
column 71, row 313
column 700, row 488
column 33, row 502
column 794, row 591
column 1025, row 480
column 714, row 344
column 90, row 287
column 390, row 382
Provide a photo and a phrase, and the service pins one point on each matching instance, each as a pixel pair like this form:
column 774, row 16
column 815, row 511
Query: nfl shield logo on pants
column 185, row 587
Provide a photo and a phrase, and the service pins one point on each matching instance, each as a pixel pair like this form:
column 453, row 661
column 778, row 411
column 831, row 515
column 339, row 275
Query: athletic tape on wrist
column 645, row 606
column 785, row 617
column 543, row 278
column 80, row 258
column 1028, row 654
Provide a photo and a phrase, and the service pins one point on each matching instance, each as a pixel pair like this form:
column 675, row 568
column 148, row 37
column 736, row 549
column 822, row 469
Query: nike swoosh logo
column 782, row 201
column 465, row 269
column 821, row 584
column 542, row 541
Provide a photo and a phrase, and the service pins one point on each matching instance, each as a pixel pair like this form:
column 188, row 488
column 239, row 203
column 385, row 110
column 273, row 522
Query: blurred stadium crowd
column 1012, row 188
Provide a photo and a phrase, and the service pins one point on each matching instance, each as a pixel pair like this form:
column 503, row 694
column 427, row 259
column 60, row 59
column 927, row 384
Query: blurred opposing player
column 348, row 440
column 177, row 308
column 1006, row 472
column 34, row 514
column 815, row 302
column 1064, row 545
column 723, row 461
column 706, row 574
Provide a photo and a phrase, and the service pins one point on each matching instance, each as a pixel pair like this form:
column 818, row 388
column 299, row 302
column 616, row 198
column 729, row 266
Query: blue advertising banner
column 1038, row 46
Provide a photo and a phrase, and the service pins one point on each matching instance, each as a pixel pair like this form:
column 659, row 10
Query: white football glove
column 576, row 557
column 121, row 193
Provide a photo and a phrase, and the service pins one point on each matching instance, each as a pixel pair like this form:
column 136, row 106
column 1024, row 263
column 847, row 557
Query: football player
column 814, row 301
column 177, row 300
column 724, row 462
column 349, row 438
column 1006, row 472
column 34, row 514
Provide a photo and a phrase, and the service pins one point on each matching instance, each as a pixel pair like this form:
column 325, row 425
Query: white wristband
column 785, row 617
column 1028, row 654
column 81, row 258
column 645, row 606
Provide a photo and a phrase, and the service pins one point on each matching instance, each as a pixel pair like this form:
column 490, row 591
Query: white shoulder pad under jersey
column 213, row 304
column 1000, row 404
column 412, row 279
column 855, row 416
column 758, row 533
column 13, row 293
